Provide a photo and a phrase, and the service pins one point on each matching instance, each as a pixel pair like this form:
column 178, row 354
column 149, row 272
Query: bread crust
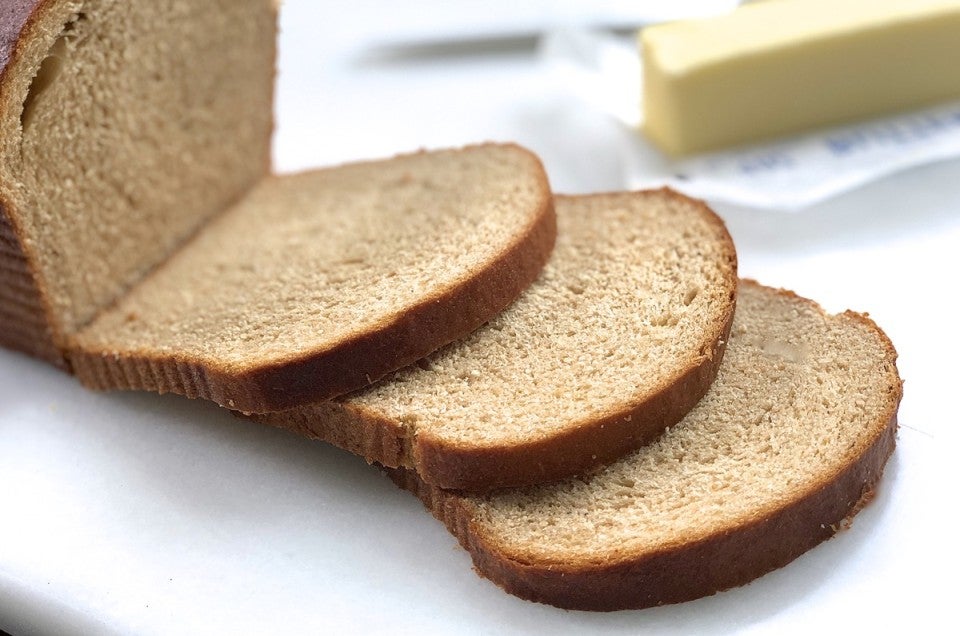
column 23, row 322
column 23, row 306
column 311, row 376
column 686, row 569
column 582, row 447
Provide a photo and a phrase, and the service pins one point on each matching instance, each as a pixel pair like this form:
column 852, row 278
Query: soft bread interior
column 125, row 126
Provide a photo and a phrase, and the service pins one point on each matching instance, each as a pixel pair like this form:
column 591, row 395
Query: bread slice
column 618, row 339
column 142, row 244
column 788, row 443
column 319, row 283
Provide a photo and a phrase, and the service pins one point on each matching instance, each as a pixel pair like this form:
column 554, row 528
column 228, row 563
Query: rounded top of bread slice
column 617, row 339
column 319, row 283
column 793, row 433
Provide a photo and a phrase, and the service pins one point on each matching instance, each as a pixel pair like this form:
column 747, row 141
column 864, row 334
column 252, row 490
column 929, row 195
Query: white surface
column 133, row 513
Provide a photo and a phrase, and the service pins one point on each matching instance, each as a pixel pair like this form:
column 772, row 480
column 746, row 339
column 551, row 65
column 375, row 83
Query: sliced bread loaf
column 789, row 442
column 143, row 246
column 618, row 339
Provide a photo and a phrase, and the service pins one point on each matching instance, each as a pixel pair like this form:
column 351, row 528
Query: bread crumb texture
column 308, row 261
column 125, row 127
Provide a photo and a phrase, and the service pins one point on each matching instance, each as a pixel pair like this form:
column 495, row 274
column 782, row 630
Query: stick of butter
column 781, row 66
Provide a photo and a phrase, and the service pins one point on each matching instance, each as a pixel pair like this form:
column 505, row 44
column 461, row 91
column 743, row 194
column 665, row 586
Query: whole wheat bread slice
column 143, row 246
column 319, row 283
column 789, row 442
column 618, row 339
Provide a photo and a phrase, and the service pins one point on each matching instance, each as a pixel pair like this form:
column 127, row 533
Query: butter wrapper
column 603, row 73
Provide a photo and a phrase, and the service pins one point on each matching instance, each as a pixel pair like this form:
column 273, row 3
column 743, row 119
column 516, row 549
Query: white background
column 130, row 513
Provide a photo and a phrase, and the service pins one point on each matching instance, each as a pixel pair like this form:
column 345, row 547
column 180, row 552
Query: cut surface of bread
column 617, row 339
column 788, row 443
column 125, row 125
column 319, row 283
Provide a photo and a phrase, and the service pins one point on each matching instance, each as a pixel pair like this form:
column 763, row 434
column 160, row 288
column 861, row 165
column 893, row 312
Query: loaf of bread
column 143, row 246
column 618, row 339
column 787, row 445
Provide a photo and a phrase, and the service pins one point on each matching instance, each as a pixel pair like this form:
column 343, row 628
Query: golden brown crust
column 725, row 560
column 306, row 377
column 23, row 316
column 582, row 447
column 372, row 436
column 24, row 324
column 687, row 569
